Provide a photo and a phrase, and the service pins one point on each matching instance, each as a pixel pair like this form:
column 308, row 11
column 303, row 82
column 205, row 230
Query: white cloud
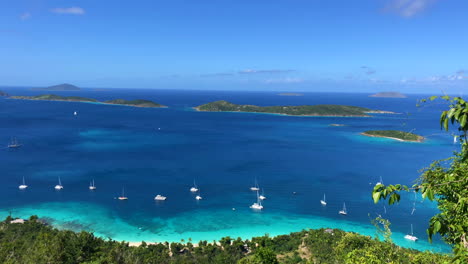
column 69, row 10
column 251, row 71
column 409, row 8
column 285, row 80
column 25, row 16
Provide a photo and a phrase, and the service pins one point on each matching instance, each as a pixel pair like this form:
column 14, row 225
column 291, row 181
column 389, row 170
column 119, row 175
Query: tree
column 444, row 181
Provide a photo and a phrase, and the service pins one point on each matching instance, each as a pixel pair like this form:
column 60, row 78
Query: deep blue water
column 151, row 151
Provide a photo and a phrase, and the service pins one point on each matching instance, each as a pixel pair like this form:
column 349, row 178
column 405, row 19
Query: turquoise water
column 161, row 151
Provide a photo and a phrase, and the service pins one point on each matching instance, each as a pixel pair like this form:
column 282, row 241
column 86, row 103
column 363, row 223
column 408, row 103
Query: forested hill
column 35, row 242
column 299, row 110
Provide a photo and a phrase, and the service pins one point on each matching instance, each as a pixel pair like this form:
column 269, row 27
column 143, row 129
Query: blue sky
column 410, row 46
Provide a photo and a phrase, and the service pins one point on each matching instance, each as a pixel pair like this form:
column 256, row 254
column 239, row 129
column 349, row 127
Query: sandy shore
column 399, row 139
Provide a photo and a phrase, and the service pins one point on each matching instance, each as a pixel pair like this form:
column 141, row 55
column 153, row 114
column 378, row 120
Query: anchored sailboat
column 198, row 197
column 160, row 198
column 255, row 188
column 258, row 205
column 262, row 196
column 411, row 237
column 123, row 197
column 92, row 186
column 194, row 188
column 59, row 185
column 343, row 211
column 14, row 143
column 323, row 202
column 23, row 186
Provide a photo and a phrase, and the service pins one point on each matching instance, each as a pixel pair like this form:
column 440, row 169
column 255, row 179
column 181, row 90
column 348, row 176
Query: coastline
column 399, row 139
column 92, row 102
column 267, row 113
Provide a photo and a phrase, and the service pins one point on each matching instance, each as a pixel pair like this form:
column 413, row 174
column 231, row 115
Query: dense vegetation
column 406, row 136
column 53, row 97
column 34, row 242
column 445, row 182
column 138, row 103
column 305, row 110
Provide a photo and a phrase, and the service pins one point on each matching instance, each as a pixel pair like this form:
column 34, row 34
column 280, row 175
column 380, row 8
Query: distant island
column 290, row 94
column 2, row 93
column 300, row 110
column 136, row 103
column 53, row 97
column 388, row 95
column 394, row 134
column 59, row 87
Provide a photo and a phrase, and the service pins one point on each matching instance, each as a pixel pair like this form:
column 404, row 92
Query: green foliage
column 34, row 242
column 138, row 102
column 313, row 110
column 445, row 182
column 394, row 134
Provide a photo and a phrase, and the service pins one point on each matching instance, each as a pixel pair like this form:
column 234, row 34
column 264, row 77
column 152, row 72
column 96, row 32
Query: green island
column 137, row 103
column 33, row 241
column 53, row 97
column 394, row 134
column 299, row 110
column 2, row 93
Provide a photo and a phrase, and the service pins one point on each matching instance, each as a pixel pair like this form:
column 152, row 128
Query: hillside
column 394, row 134
column 59, row 87
column 53, row 97
column 34, row 242
column 300, row 110
column 136, row 103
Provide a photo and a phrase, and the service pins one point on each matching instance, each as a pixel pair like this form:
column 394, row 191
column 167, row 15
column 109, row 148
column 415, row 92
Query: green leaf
column 437, row 225
column 432, row 98
column 376, row 197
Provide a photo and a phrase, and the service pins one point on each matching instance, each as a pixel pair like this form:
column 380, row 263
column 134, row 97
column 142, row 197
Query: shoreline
column 399, row 139
column 91, row 102
column 317, row 115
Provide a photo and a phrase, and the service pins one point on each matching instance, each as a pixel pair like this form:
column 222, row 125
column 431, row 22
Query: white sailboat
column 258, row 205
column 92, row 186
column 23, row 186
column 411, row 237
column 198, row 197
column 160, row 198
column 323, row 202
column 75, row 113
column 255, row 188
column 194, row 188
column 14, row 143
column 59, row 186
column 123, row 197
column 262, row 196
column 380, row 182
column 343, row 211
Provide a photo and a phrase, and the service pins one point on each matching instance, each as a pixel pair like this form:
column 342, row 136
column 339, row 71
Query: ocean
column 148, row 151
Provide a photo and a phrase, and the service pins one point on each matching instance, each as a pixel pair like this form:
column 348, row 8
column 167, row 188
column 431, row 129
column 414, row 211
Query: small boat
column 258, row 205
column 123, row 197
column 411, row 237
column 343, row 211
column 14, row 143
column 255, row 188
column 75, row 113
column 92, row 186
column 194, row 188
column 380, row 182
column 454, row 139
column 160, row 198
column 262, row 196
column 198, row 197
column 59, row 186
column 23, row 186
column 323, row 202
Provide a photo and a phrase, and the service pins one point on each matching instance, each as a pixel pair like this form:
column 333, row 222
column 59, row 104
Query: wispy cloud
column 368, row 70
column 68, row 10
column 219, row 74
column 25, row 16
column 284, row 80
column 408, row 8
column 252, row 71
